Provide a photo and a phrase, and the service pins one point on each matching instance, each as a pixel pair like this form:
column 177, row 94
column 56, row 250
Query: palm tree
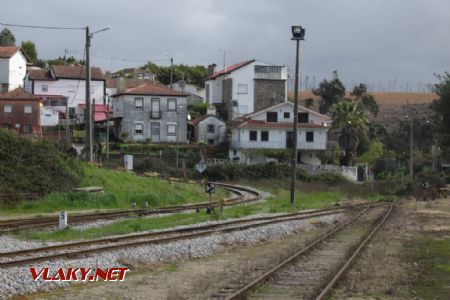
column 351, row 118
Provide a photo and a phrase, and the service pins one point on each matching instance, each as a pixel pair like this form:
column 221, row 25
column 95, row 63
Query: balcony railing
column 277, row 145
column 155, row 114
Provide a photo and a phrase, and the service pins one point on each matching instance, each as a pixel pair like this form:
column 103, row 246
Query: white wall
column 49, row 116
column 13, row 70
column 73, row 89
column 288, row 107
column 244, row 75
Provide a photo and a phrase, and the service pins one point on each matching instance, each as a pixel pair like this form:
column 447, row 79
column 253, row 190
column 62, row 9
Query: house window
column 303, row 117
column 272, row 116
column 27, row 109
column 71, row 112
column 253, row 136
column 26, row 129
column 138, row 129
column 287, row 115
column 155, row 113
column 210, row 141
column 7, row 108
column 264, row 136
column 172, row 104
column 171, row 129
column 211, row 128
column 242, row 88
column 310, row 136
column 44, row 88
column 138, row 103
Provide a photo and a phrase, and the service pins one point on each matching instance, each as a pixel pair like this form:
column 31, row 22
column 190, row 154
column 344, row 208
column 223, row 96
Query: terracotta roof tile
column 7, row 52
column 230, row 69
column 199, row 119
column 128, row 83
column 77, row 72
column 39, row 74
column 18, row 94
column 152, row 88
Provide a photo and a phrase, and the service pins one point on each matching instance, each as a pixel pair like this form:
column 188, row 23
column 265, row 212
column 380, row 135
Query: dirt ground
column 408, row 259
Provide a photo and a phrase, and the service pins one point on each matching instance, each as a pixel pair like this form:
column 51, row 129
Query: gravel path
column 17, row 280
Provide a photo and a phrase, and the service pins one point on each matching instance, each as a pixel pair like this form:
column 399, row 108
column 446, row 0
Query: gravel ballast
column 18, row 281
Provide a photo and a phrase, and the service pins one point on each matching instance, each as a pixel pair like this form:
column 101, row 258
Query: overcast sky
column 373, row 41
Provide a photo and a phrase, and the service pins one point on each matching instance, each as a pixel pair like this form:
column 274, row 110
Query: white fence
column 351, row 173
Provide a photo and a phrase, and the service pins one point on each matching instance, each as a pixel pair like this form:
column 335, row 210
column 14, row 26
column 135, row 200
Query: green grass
column 279, row 203
column 121, row 189
column 432, row 254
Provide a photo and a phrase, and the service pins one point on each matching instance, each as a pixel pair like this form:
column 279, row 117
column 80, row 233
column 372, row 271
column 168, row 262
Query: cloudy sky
column 389, row 44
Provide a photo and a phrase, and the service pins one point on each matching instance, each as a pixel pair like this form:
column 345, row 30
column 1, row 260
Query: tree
column 191, row 74
column 442, row 107
column 367, row 100
column 69, row 61
column 30, row 49
column 330, row 93
column 7, row 38
column 351, row 118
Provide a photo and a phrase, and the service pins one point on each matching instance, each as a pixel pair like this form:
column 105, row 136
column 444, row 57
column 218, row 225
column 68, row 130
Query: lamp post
column 179, row 110
column 411, row 170
column 298, row 34
column 88, row 113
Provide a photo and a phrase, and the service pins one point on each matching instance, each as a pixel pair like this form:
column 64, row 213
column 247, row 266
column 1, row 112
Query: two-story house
column 245, row 87
column 13, row 67
column 272, row 128
column 19, row 111
column 151, row 111
column 60, row 84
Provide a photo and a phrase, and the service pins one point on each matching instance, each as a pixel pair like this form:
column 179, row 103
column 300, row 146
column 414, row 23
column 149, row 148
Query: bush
column 34, row 166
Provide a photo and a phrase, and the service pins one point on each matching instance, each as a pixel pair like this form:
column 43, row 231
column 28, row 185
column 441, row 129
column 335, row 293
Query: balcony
column 155, row 114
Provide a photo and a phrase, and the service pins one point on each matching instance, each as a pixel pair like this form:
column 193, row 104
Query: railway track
column 311, row 272
column 78, row 249
column 242, row 196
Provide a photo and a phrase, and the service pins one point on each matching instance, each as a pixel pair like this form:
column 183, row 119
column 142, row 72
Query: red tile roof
column 7, row 52
column 18, row 94
column 199, row 119
column 264, row 124
column 39, row 74
column 101, row 111
column 128, row 83
column 230, row 69
column 77, row 72
column 152, row 88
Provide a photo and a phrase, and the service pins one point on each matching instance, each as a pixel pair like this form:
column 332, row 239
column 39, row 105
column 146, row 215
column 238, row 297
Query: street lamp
column 88, row 114
column 179, row 111
column 298, row 34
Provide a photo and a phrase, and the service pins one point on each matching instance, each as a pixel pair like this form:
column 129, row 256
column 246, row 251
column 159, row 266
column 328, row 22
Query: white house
column 151, row 111
column 209, row 129
column 271, row 128
column 245, row 87
column 59, row 84
column 13, row 67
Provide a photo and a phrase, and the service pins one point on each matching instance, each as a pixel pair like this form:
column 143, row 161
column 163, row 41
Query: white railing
column 349, row 172
column 277, row 145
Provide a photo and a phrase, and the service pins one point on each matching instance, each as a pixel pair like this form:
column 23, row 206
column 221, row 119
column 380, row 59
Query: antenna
column 224, row 55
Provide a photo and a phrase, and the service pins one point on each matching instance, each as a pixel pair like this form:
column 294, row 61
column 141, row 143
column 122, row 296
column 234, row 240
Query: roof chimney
column 211, row 69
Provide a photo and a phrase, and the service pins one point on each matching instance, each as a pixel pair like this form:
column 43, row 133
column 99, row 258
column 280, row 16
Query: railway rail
column 311, row 272
column 77, row 249
column 11, row 225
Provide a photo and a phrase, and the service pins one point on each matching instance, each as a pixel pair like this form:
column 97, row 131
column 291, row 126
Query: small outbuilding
column 208, row 129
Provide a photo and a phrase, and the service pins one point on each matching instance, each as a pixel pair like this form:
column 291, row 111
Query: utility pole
column 107, row 128
column 179, row 110
column 298, row 34
column 171, row 72
column 67, row 124
column 88, row 114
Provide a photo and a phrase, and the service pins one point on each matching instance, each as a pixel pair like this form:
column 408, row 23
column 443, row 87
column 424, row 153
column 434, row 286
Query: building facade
column 20, row 111
column 150, row 112
column 271, row 129
column 13, row 67
column 245, row 87
column 209, row 129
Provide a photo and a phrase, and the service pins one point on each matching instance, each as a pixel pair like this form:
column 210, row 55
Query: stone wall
column 227, row 96
column 268, row 93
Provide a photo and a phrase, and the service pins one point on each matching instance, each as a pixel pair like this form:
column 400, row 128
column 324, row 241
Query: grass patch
column 432, row 254
column 279, row 203
column 121, row 190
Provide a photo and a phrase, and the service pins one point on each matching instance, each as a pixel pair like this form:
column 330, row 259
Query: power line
column 121, row 58
column 42, row 27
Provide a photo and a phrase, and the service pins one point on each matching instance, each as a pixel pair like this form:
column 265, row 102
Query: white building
column 271, row 128
column 59, row 83
column 13, row 67
column 245, row 87
column 209, row 129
